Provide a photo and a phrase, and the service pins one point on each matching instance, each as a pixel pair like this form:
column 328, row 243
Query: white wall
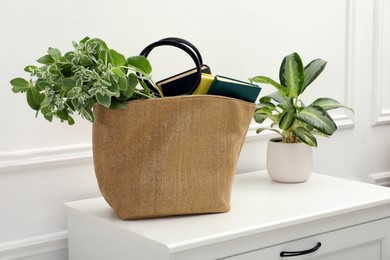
column 45, row 164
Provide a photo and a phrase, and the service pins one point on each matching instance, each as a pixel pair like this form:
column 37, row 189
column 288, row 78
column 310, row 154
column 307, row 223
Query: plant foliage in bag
column 72, row 83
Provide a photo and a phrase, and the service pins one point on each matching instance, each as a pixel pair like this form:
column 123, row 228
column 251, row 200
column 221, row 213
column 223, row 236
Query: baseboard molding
column 382, row 178
column 44, row 246
column 25, row 159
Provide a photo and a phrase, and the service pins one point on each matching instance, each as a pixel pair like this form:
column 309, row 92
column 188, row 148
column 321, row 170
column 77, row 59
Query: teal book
column 228, row 87
column 181, row 83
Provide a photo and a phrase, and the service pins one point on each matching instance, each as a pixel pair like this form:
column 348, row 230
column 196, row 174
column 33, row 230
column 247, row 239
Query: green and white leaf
column 85, row 60
column 287, row 120
column 259, row 117
column 264, row 110
column 55, row 54
column 328, row 104
column 105, row 56
column 87, row 114
column 318, row 118
column 31, row 69
column 41, row 85
column 287, row 104
column 268, row 105
column 46, row 101
column 73, row 83
column 113, row 90
column 305, row 136
column 259, row 130
column 291, row 74
column 312, row 71
column 266, row 80
column 103, row 99
column 69, row 83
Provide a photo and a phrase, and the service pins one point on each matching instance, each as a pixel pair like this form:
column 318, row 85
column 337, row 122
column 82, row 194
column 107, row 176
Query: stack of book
column 210, row 84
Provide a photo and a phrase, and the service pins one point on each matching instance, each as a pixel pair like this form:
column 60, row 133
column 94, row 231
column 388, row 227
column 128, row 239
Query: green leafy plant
column 74, row 82
column 290, row 118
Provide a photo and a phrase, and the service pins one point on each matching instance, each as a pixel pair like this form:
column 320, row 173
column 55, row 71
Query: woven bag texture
column 169, row 156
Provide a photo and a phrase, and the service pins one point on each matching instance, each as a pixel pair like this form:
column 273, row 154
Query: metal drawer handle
column 304, row 252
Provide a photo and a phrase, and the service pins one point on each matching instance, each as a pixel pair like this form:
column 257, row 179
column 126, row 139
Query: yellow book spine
column 205, row 83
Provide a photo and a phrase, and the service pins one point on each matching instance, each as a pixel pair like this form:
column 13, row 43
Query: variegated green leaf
column 263, row 110
column 328, row 104
column 276, row 96
column 287, row 104
column 55, row 54
column 268, row 105
column 259, row 130
column 259, row 117
column 291, row 74
column 103, row 100
column 318, row 118
column 46, row 101
column 266, row 80
column 69, row 83
column 287, row 120
column 87, row 113
column 312, row 71
column 305, row 136
column 265, row 99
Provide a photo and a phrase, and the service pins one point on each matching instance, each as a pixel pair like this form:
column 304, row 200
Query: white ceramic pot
column 289, row 162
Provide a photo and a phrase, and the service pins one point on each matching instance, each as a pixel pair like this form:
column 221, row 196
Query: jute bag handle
column 187, row 47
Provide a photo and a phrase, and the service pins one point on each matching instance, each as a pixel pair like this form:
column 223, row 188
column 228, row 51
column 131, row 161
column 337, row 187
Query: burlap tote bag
column 169, row 156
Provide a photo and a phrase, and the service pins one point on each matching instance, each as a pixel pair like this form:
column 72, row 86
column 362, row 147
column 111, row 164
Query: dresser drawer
column 370, row 241
column 354, row 227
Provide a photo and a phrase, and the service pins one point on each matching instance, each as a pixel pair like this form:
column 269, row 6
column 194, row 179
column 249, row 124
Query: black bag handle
column 187, row 47
column 189, row 44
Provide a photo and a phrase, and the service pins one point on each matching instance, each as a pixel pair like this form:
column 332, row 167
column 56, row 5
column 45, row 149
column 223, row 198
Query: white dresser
column 324, row 218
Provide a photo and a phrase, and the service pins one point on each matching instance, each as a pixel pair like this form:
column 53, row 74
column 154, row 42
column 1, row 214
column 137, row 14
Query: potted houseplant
column 289, row 157
column 72, row 83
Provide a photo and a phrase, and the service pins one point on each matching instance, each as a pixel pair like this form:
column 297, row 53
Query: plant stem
column 157, row 87
column 143, row 73
column 143, row 94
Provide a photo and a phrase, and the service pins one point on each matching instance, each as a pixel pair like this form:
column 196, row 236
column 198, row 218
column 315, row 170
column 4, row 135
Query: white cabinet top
column 257, row 205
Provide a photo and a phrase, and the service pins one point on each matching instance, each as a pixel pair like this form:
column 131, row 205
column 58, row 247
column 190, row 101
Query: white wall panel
column 381, row 62
column 31, row 199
